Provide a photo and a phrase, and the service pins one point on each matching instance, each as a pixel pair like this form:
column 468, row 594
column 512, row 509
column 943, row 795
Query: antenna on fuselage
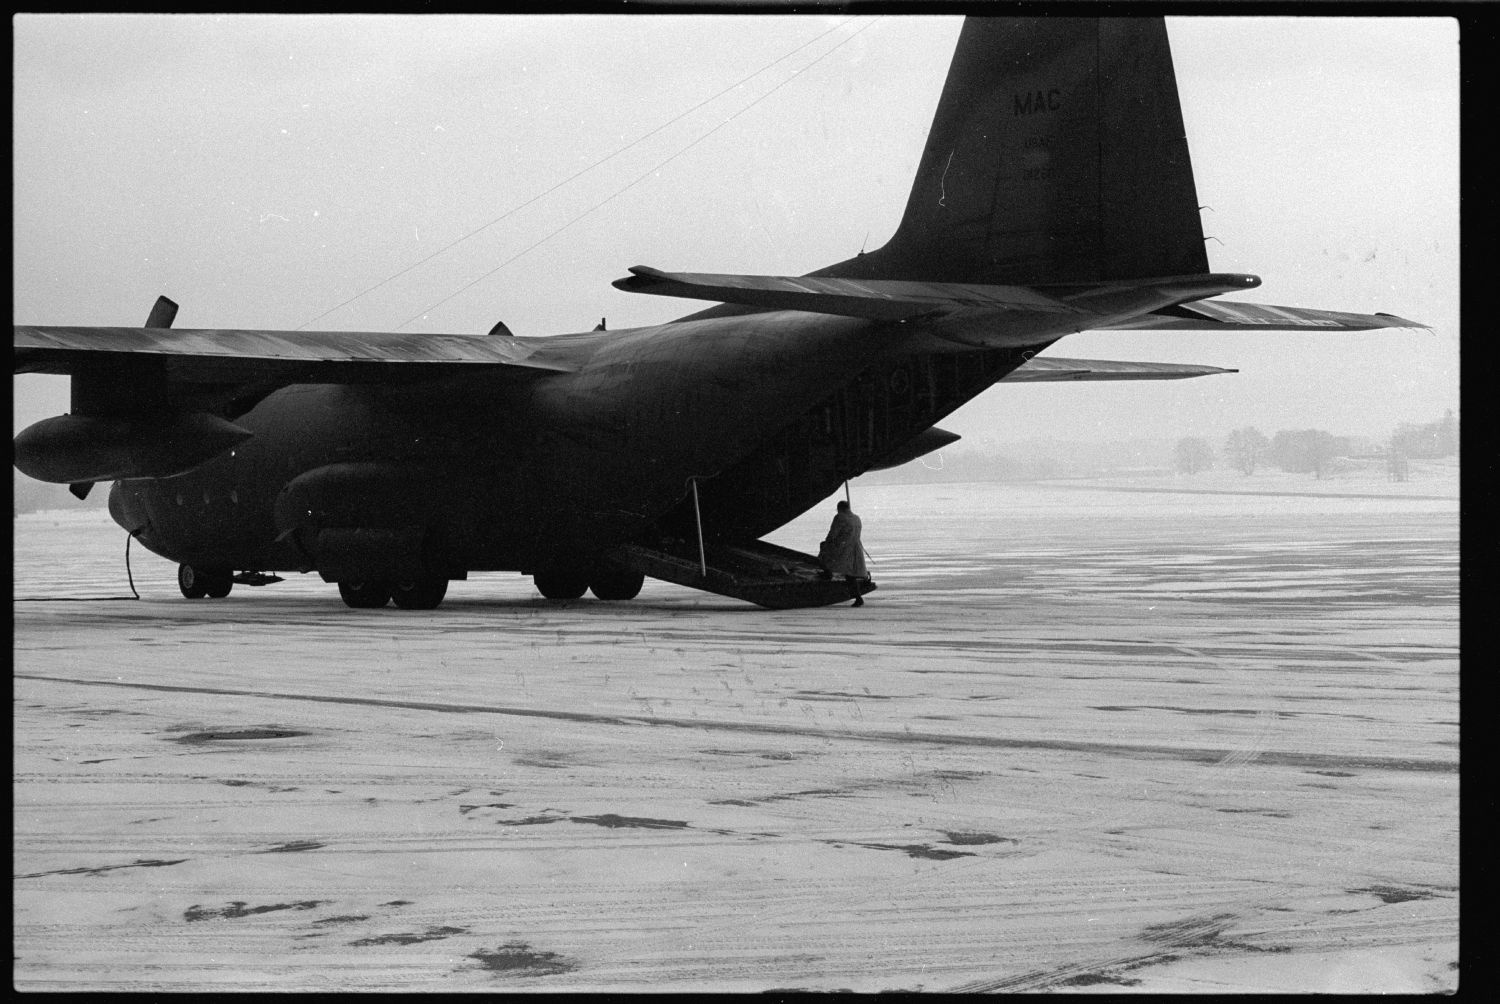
column 698, row 518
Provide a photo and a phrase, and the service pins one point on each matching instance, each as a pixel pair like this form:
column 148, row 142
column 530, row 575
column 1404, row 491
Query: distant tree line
column 1313, row 451
column 1300, row 451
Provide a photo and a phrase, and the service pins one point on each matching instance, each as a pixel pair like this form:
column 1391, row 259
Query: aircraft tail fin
column 1057, row 154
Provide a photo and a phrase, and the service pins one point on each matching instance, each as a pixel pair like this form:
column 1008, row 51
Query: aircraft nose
column 127, row 509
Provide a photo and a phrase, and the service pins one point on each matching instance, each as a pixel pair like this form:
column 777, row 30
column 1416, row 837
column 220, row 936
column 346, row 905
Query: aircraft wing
column 1173, row 302
column 234, row 356
column 1050, row 368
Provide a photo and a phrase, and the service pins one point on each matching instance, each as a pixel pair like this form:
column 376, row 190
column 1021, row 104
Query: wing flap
column 1043, row 369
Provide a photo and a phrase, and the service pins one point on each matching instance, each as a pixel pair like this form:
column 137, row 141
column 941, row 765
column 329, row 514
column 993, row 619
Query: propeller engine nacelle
column 123, row 426
column 82, row 448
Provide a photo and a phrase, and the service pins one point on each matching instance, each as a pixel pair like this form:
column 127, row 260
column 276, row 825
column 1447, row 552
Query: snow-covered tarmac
column 1081, row 738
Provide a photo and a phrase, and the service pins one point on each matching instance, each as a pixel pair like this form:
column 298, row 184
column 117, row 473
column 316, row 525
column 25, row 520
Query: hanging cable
column 129, row 575
column 574, row 177
column 128, row 538
column 637, row 181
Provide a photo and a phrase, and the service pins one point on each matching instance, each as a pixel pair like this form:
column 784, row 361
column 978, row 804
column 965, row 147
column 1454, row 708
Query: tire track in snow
column 1204, row 755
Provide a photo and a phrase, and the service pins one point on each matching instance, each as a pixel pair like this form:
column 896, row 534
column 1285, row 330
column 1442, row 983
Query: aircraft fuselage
column 769, row 412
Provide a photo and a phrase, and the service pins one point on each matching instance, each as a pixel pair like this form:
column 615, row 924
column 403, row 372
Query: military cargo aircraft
column 1054, row 195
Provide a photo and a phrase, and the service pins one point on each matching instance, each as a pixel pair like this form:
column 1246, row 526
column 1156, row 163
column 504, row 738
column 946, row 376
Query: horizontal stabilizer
column 874, row 299
column 1225, row 315
column 1049, row 368
column 242, row 356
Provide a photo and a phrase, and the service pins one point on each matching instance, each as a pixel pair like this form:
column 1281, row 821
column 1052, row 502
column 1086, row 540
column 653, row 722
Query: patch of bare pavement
column 1080, row 740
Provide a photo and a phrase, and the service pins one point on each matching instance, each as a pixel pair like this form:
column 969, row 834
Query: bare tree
column 1245, row 448
column 1193, row 455
column 1435, row 439
column 1397, row 467
column 1305, row 450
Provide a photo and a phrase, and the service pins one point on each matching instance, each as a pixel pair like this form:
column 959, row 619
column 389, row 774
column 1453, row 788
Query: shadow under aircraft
column 1054, row 195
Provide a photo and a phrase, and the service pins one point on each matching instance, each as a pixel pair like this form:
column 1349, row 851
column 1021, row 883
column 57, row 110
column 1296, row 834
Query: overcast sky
column 262, row 170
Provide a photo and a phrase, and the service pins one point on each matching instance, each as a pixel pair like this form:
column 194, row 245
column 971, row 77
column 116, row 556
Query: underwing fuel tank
column 83, row 448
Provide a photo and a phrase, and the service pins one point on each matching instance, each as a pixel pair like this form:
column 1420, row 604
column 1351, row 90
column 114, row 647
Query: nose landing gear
column 197, row 583
column 216, row 583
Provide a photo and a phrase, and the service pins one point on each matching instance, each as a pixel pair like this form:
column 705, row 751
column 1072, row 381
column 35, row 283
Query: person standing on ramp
column 842, row 553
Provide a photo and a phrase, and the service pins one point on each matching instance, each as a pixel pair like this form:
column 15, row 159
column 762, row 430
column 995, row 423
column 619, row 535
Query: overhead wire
column 574, row 177
column 638, row 180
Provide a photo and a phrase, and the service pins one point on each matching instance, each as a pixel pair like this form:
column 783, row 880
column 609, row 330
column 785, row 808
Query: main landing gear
column 616, row 582
column 607, row 581
column 422, row 594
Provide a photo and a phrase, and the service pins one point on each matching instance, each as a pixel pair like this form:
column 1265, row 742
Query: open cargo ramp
column 761, row 573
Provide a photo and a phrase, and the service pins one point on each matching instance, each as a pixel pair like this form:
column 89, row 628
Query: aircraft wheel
column 193, row 583
column 560, row 584
column 615, row 582
column 217, row 582
column 424, row 594
column 365, row 595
